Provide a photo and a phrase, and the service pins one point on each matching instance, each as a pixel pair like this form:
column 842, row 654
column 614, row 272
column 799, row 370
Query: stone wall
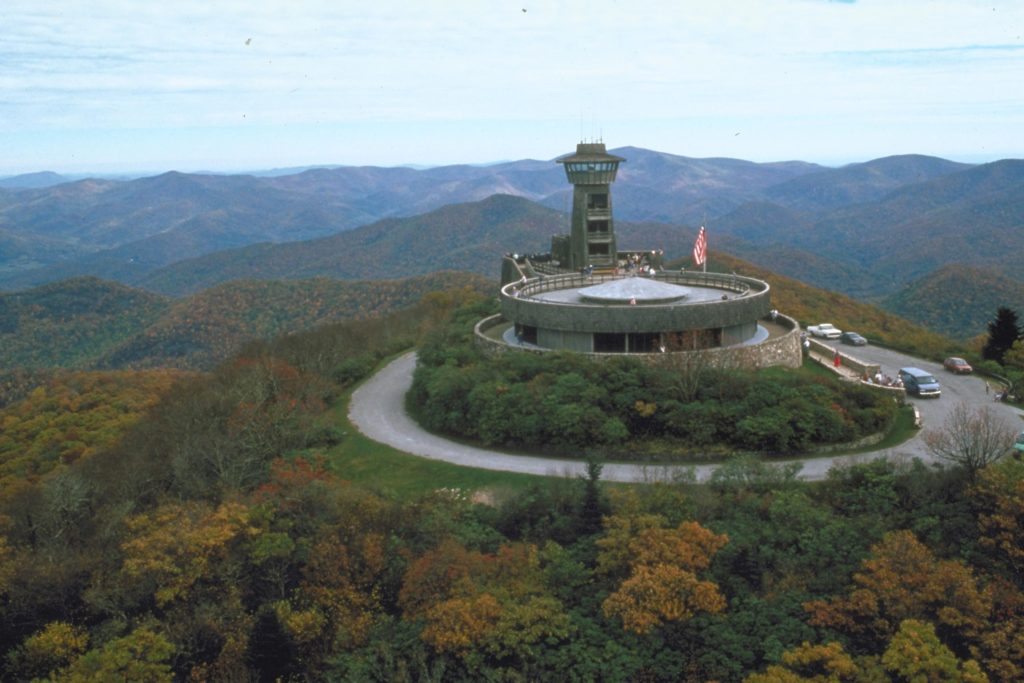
column 854, row 365
column 783, row 350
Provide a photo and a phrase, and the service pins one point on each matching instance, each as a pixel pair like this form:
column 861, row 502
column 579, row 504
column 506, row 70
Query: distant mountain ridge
column 865, row 229
column 125, row 229
column 32, row 180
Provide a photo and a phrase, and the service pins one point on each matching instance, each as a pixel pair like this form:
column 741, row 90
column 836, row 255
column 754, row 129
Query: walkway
column 377, row 409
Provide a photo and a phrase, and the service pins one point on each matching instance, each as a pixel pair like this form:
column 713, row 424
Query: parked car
column 1019, row 444
column 826, row 330
column 957, row 365
column 920, row 383
column 853, row 339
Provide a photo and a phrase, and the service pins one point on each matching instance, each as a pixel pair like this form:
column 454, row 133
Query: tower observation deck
column 591, row 170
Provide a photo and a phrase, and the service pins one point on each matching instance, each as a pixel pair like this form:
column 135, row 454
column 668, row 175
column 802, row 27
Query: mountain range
column 870, row 230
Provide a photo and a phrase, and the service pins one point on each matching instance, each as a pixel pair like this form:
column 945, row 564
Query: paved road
column 377, row 409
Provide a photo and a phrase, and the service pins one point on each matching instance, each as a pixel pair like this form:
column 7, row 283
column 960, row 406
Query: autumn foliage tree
column 480, row 605
column 999, row 494
column 827, row 663
column 660, row 566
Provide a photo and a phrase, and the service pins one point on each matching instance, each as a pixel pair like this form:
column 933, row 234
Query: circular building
column 587, row 297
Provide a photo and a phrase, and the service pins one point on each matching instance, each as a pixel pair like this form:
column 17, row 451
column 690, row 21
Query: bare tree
column 971, row 439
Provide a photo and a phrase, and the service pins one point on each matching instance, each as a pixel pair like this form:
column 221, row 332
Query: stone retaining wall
column 783, row 350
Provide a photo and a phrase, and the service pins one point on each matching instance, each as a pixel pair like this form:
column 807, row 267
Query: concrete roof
column 641, row 289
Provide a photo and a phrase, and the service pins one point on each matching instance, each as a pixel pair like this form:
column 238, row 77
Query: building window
column 597, row 227
column 693, row 340
column 598, row 249
column 526, row 333
column 609, row 342
column 597, row 201
column 644, row 342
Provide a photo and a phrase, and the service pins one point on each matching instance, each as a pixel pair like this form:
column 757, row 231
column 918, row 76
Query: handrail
column 547, row 283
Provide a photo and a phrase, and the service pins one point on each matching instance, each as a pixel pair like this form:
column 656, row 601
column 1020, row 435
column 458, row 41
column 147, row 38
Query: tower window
column 597, row 226
column 597, row 201
column 598, row 249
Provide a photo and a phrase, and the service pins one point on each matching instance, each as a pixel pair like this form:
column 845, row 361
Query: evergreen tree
column 1002, row 332
column 593, row 506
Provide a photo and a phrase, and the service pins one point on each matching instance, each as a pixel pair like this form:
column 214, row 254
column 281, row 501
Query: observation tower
column 587, row 296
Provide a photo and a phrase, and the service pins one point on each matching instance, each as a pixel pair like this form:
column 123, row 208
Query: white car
column 825, row 330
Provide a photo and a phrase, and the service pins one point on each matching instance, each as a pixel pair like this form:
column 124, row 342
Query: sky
column 137, row 86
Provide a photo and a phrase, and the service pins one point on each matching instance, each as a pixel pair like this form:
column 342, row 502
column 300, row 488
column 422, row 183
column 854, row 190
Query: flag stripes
column 700, row 247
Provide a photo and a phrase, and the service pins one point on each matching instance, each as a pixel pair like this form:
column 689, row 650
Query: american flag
column 700, row 248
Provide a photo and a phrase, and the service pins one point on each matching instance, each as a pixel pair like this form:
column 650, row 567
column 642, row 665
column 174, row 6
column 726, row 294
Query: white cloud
column 656, row 70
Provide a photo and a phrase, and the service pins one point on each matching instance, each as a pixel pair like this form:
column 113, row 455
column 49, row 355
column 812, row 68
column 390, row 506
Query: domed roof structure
column 634, row 290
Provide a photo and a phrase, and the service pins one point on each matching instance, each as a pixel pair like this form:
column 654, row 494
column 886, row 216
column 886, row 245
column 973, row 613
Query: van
column 919, row 383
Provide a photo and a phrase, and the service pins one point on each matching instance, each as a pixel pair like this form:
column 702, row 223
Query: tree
column 662, row 564
column 904, row 580
column 57, row 644
column 592, row 507
column 971, row 439
column 812, row 664
column 1003, row 331
column 177, row 546
column 139, row 656
column 999, row 493
column 915, row 654
column 482, row 605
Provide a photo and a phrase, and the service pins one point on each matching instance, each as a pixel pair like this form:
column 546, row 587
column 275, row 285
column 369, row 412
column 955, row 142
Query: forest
column 213, row 533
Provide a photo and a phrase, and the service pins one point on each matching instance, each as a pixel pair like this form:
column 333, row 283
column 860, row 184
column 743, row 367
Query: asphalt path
column 377, row 409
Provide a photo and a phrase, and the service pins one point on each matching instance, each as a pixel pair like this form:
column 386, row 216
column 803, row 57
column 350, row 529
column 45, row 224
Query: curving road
column 377, row 409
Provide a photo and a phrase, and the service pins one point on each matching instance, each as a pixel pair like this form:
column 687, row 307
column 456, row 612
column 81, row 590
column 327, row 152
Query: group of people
column 883, row 380
column 645, row 263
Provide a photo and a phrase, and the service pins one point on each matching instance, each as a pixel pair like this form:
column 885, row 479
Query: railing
column 548, row 283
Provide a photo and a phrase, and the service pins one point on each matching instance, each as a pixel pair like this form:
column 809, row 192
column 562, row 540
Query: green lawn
column 394, row 473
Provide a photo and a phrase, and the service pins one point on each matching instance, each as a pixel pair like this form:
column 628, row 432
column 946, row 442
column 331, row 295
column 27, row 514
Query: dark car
column 957, row 365
column 919, row 383
column 853, row 339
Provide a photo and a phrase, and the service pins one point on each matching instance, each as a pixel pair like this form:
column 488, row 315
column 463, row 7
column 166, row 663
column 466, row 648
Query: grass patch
column 902, row 429
column 395, row 474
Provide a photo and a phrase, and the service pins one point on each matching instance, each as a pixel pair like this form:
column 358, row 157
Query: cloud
column 657, row 68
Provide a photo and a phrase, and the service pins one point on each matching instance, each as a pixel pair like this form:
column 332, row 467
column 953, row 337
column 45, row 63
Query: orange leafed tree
column 999, row 492
column 496, row 605
column 176, row 545
column 661, row 566
column 808, row 663
column 903, row 580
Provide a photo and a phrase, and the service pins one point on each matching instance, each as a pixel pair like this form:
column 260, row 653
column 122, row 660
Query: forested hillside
column 811, row 305
column 218, row 539
column 469, row 237
column 956, row 300
column 90, row 323
column 73, row 323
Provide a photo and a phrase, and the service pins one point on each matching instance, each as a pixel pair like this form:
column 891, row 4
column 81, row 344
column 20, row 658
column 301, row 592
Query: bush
column 572, row 403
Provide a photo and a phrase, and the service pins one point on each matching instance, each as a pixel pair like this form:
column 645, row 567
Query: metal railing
column 548, row 283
